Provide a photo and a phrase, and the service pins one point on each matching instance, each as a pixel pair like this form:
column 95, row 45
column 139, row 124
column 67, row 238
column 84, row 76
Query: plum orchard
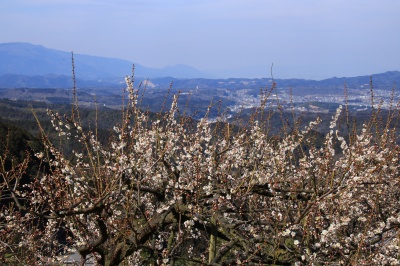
column 174, row 192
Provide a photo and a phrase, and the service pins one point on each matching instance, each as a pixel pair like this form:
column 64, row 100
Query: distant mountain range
column 36, row 60
column 24, row 65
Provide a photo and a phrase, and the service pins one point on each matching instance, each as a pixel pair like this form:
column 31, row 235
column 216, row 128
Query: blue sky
column 243, row 38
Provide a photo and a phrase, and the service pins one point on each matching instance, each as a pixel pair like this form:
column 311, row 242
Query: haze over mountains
column 28, row 59
column 35, row 66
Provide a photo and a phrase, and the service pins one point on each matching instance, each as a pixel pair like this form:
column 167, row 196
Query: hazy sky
column 302, row 38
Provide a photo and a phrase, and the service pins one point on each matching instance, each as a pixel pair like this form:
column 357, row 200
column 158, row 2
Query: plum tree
column 170, row 191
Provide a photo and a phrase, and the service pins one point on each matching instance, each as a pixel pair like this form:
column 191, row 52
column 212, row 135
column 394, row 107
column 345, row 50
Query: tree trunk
column 213, row 240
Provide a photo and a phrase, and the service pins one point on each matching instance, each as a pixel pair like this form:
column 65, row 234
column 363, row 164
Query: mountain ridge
column 35, row 66
column 31, row 59
column 386, row 80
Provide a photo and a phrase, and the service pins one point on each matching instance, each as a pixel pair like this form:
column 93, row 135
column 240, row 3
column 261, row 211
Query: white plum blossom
column 173, row 190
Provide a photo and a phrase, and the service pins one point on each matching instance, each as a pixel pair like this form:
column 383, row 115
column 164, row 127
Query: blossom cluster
column 172, row 189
